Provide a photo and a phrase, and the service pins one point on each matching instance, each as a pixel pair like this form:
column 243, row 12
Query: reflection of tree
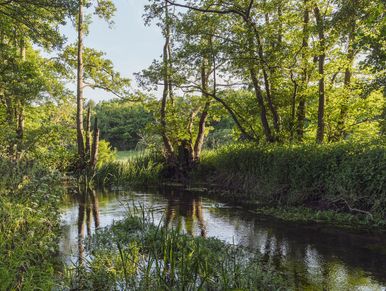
column 187, row 208
column 88, row 203
column 315, row 257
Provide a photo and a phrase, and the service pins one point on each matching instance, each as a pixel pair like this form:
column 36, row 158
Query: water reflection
column 88, row 203
column 314, row 257
column 187, row 209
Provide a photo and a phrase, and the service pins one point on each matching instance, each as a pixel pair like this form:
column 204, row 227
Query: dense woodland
column 282, row 100
column 283, row 72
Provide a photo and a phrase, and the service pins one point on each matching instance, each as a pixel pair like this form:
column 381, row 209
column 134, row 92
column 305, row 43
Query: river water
column 316, row 257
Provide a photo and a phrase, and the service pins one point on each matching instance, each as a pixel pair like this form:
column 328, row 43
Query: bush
column 29, row 226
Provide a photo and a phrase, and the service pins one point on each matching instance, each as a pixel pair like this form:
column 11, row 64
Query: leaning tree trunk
column 258, row 92
column 267, row 85
column 204, row 115
column 201, row 132
column 260, row 100
column 321, row 59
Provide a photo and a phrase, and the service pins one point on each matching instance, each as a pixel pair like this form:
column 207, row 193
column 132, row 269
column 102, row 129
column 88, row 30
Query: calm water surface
column 315, row 257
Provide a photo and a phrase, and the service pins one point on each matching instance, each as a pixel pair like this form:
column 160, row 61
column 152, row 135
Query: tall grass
column 135, row 254
column 29, row 226
column 140, row 169
column 343, row 176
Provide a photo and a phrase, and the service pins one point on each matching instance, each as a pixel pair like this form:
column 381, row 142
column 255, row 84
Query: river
column 316, row 257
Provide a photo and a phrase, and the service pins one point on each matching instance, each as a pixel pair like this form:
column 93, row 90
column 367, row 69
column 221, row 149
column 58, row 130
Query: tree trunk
column 233, row 114
column 347, row 81
column 88, row 135
column 19, row 130
column 166, row 90
column 293, row 108
column 267, row 84
column 95, row 146
column 204, row 115
column 301, row 110
column 79, row 96
column 321, row 59
column 19, row 110
column 260, row 100
column 201, row 132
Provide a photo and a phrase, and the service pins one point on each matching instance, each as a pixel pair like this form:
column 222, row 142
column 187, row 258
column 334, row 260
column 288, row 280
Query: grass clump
column 141, row 169
column 29, row 226
column 135, row 254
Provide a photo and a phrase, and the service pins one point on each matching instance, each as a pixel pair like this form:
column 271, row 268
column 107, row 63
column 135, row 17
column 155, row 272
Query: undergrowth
column 29, row 226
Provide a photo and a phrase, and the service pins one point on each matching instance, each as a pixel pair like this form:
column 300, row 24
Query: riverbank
column 340, row 183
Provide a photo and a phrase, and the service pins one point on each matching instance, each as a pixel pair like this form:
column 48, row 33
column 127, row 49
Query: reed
column 141, row 169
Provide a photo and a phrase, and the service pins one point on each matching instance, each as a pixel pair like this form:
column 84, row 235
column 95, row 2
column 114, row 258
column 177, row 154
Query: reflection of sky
column 224, row 223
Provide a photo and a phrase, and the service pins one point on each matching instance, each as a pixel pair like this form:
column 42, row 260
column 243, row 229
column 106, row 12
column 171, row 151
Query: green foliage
column 105, row 153
column 29, row 226
column 136, row 254
column 122, row 122
column 48, row 135
column 342, row 177
column 276, row 43
column 38, row 20
column 99, row 72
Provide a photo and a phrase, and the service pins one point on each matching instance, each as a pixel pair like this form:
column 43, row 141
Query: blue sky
column 130, row 44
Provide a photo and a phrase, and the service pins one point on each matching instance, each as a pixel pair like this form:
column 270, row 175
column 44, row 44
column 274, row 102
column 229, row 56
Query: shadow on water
column 314, row 257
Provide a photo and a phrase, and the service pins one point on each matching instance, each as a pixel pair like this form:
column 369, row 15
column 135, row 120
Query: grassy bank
column 135, row 254
column 339, row 177
column 333, row 179
column 29, row 226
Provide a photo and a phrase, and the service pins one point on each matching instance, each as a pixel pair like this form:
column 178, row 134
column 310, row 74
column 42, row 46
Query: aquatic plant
column 136, row 254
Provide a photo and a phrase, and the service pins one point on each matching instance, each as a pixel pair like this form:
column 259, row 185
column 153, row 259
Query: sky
column 129, row 44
